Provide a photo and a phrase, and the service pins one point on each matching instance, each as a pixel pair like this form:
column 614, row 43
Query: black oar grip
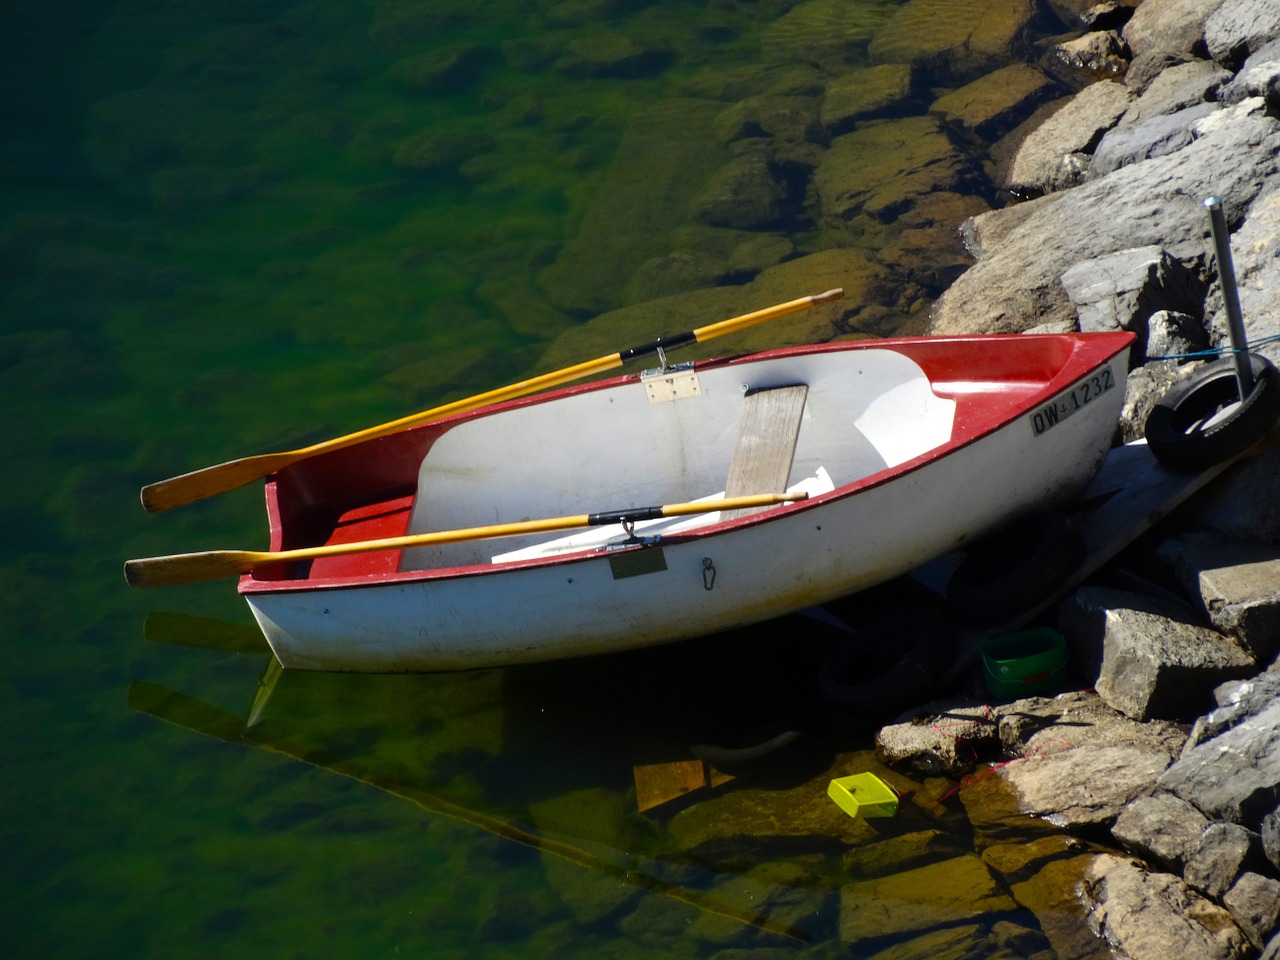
column 624, row 516
column 665, row 343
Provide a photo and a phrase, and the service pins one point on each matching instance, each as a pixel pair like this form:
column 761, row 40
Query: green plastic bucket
column 1025, row 663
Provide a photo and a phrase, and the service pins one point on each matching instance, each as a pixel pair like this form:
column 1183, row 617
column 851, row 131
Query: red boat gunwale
column 367, row 491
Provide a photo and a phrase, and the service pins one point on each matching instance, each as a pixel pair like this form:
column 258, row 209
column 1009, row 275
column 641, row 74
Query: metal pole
column 1230, row 295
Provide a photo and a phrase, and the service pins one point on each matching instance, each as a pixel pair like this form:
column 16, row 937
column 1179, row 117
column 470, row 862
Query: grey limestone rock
column 1236, row 28
column 1177, row 88
column 1016, row 284
column 1254, row 902
column 1151, row 665
column 1270, row 836
column 1072, row 131
column 1146, row 915
column 1235, row 582
column 1168, row 26
column 1259, row 77
column 1230, row 768
column 1225, row 851
column 1154, row 136
column 1162, row 829
column 1173, row 335
column 1085, row 786
column 1121, row 291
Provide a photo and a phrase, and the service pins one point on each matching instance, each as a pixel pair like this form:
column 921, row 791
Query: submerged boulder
column 959, row 889
column 884, row 168
column 963, row 37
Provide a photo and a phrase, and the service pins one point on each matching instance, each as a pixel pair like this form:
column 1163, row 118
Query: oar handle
column 713, row 330
column 216, row 564
column 209, row 481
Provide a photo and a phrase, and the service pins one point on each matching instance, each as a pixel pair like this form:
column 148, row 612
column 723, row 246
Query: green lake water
column 243, row 226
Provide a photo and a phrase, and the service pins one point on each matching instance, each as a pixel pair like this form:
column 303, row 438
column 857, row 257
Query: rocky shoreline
column 1162, row 783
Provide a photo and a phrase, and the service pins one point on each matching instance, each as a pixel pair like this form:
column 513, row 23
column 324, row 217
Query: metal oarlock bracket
column 1230, row 295
column 672, row 382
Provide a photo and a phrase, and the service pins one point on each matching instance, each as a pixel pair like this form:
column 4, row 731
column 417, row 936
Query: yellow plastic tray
column 864, row 795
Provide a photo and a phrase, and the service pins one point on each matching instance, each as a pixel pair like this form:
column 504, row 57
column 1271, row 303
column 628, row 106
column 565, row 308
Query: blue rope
column 1217, row 351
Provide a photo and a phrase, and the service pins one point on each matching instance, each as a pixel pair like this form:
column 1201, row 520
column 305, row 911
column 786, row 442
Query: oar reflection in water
column 200, row 717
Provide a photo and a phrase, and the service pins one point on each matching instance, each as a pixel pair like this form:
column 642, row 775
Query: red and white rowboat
column 906, row 449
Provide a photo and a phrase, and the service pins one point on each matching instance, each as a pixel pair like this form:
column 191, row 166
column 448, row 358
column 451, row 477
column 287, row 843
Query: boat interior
column 802, row 424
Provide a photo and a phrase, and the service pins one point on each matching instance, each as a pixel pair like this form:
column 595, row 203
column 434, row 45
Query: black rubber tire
column 1015, row 569
column 1175, row 431
column 858, row 678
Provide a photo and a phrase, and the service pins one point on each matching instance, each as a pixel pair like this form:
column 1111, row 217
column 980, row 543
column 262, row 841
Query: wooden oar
column 216, row 564
column 222, row 477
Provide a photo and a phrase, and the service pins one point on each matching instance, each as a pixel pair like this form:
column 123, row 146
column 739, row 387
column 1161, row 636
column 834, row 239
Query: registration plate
column 1068, row 402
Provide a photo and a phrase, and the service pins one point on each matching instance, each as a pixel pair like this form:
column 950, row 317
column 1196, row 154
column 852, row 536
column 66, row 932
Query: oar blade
column 190, row 567
column 210, row 481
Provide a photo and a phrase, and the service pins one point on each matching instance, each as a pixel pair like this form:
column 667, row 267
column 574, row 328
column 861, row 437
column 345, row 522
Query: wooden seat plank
column 766, row 446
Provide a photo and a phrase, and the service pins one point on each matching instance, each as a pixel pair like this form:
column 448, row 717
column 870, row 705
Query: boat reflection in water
column 592, row 763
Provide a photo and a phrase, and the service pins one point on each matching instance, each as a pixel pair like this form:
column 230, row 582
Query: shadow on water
column 592, row 764
column 543, row 756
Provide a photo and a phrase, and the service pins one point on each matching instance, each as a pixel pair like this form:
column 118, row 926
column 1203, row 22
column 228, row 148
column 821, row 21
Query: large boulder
column 1254, row 903
column 1225, row 851
column 996, row 102
column 1173, row 27
column 884, row 168
column 1080, row 788
column 965, row 37
column 865, row 93
column 1237, row 584
column 1155, row 136
column 962, row 888
column 1122, row 290
column 1162, row 829
column 745, row 194
column 1259, row 77
column 1231, row 766
column 1017, row 285
column 1237, row 28
column 1152, row 665
column 1043, row 161
column 1156, row 916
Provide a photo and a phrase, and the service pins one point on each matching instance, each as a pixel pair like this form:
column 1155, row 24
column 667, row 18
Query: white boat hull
column 728, row 576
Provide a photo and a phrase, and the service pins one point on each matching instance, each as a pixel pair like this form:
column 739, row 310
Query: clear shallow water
column 244, row 227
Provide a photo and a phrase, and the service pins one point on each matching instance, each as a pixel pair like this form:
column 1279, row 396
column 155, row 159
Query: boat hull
column 720, row 577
